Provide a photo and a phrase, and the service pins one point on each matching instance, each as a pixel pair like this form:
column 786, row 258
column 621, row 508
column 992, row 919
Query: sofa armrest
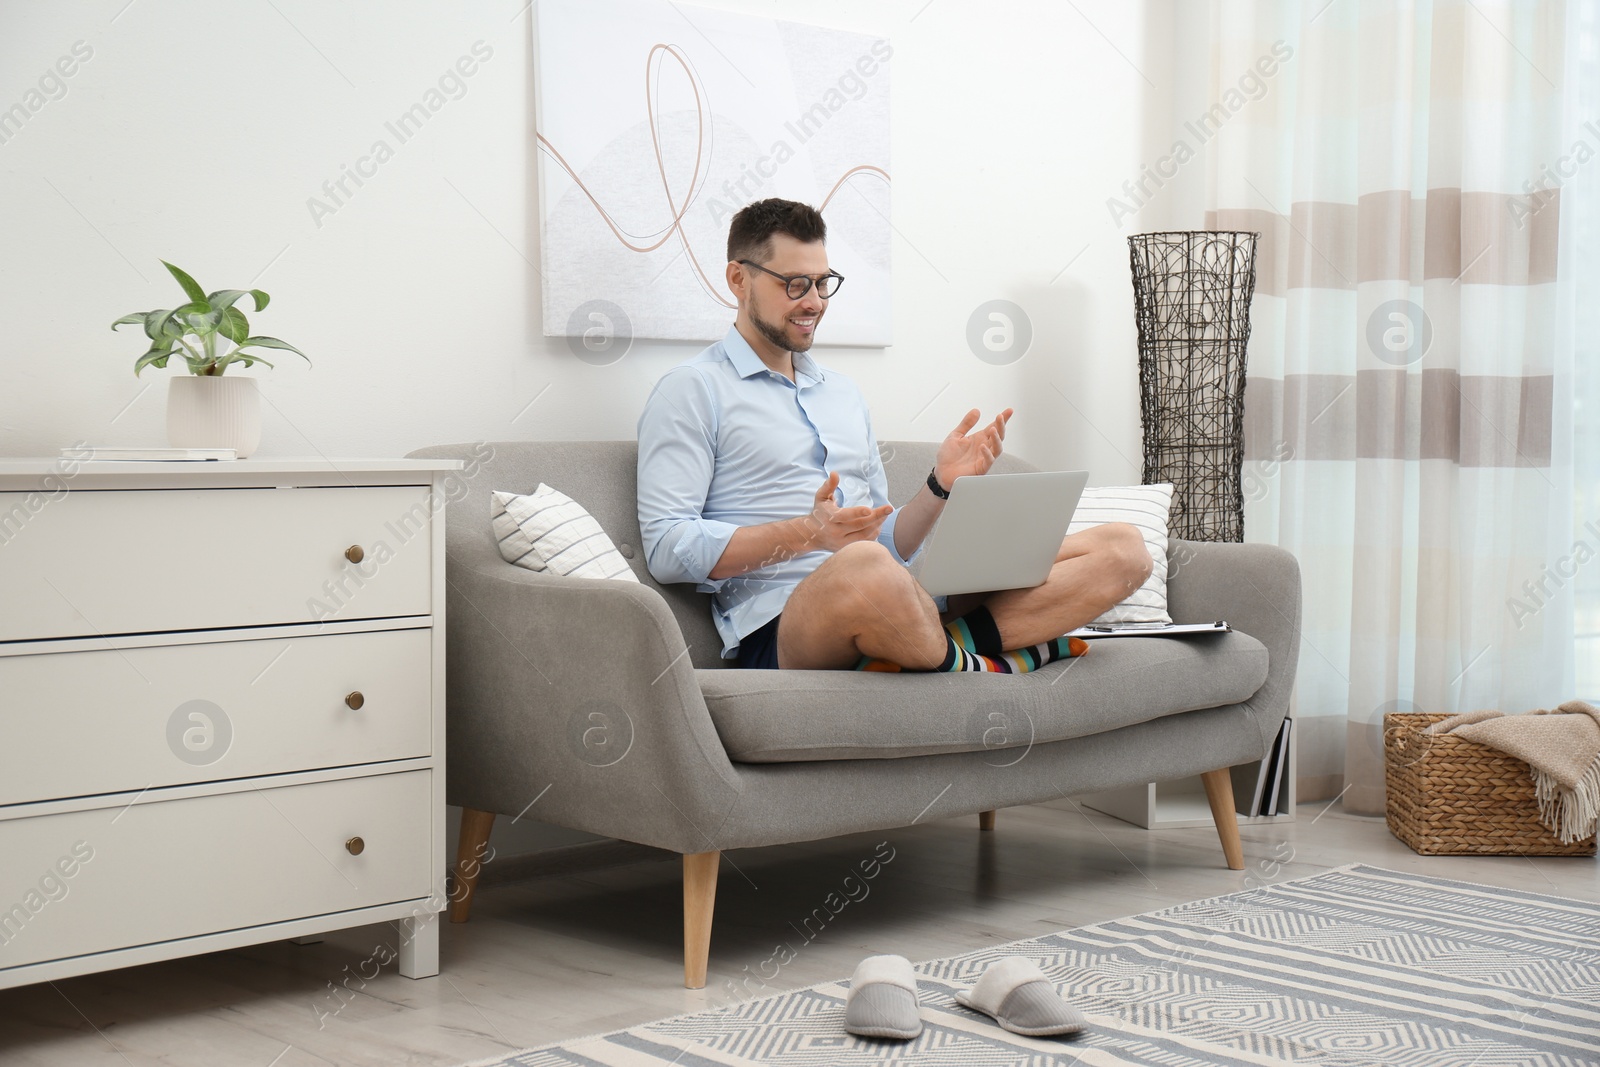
column 580, row 693
column 1256, row 588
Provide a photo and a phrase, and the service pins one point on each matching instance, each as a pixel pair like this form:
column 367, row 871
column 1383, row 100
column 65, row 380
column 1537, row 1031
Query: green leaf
column 167, row 327
column 194, row 315
column 156, row 356
column 201, row 318
column 226, row 298
column 248, row 359
column 190, row 286
column 159, row 326
column 235, row 327
column 273, row 342
column 137, row 316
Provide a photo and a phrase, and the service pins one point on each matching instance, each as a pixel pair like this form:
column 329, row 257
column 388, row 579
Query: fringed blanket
column 1561, row 747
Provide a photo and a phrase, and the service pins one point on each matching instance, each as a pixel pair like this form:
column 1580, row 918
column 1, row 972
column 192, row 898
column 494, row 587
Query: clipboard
column 1140, row 629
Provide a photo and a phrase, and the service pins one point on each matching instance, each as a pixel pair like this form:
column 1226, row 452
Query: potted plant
column 204, row 409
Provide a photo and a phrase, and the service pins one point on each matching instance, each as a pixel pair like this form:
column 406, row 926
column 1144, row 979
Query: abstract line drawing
column 637, row 182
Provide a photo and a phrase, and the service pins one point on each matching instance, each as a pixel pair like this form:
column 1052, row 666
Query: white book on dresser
column 222, row 698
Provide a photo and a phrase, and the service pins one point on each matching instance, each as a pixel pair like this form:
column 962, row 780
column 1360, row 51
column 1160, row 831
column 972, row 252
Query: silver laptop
column 999, row 531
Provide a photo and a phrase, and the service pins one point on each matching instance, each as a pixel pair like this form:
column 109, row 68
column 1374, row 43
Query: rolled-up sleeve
column 886, row 537
column 878, row 483
column 677, row 457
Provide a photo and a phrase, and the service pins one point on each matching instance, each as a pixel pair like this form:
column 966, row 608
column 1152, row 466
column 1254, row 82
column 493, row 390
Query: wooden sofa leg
column 699, row 900
column 986, row 820
column 1219, row 793
column 470, row 850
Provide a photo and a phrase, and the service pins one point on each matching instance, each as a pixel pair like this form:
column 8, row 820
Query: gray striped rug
column 1358, row 966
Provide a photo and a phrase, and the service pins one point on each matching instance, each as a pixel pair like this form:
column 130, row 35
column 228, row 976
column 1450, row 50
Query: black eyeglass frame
column 788, row 281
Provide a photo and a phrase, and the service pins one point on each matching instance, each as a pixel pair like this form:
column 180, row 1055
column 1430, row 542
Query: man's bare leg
column 863, row 602
column 860, row 602
column 1094, row 570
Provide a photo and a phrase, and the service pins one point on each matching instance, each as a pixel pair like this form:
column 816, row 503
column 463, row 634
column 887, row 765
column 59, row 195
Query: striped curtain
column 1408, row 408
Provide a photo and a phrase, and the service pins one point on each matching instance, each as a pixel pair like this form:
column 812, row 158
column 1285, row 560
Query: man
column 744, row 452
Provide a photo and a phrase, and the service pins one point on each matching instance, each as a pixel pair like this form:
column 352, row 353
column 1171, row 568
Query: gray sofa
column 603, row 706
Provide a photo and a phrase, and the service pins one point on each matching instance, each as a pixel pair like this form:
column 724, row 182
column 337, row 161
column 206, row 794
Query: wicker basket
column 1448, row 796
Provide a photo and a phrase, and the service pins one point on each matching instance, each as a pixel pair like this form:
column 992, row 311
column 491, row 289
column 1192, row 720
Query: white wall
column 196, row 132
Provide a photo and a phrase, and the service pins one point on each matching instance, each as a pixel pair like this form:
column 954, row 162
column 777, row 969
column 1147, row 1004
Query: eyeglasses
column 798, row 285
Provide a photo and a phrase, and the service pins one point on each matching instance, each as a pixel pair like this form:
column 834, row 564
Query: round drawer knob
column 354, row 554
column 355, row 700
column 355, row 846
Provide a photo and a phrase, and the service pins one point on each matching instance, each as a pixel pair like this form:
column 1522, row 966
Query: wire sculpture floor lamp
column 1191, row 294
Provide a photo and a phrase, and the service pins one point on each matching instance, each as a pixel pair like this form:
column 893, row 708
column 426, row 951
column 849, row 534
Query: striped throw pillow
column 549, row 531
column 1146, row 507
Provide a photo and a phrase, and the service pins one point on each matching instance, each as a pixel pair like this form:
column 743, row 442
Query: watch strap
column 933, row 483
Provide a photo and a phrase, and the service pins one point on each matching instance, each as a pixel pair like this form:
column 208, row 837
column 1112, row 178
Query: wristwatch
column 933, row 483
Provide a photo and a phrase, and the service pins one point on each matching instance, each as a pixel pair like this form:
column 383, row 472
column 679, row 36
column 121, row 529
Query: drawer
column 142, row 561
column 109, row 878
column 109, row 720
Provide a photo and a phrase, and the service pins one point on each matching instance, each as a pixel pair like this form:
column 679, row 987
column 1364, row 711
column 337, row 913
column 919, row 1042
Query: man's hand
column 828, row 528
column 831, row 527
column 964, row 453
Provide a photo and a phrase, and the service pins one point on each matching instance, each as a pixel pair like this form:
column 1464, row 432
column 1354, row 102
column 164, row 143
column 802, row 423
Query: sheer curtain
column 1580, row 317
column 1408, row 411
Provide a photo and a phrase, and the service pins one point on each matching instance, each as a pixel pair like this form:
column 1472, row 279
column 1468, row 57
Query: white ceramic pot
column 221, row 411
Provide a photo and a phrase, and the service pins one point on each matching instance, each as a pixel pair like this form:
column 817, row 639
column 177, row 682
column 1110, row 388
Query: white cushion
column 1146, row 507
column 548, row 530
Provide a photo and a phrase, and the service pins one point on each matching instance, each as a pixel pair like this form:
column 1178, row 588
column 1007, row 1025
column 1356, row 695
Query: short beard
column 777, row 336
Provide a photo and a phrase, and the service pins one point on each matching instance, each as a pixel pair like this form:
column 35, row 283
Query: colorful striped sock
column 1023, row 660
column 1016, row 661
column 976, row 631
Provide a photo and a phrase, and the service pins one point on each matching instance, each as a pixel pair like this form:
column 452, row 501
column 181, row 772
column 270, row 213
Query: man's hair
column 750, row 233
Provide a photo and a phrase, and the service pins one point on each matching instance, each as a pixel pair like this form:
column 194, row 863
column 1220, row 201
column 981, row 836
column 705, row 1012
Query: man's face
column 789, row 324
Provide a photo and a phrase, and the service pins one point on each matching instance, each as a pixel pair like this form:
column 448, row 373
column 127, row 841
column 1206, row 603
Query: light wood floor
column 582, row 951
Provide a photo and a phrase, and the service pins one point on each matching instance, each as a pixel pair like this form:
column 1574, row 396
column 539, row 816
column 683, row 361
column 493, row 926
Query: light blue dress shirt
column 723, row 443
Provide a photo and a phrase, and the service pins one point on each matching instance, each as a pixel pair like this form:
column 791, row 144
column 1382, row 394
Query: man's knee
column 867, row 557
column 872, row 570
column 1129, row 555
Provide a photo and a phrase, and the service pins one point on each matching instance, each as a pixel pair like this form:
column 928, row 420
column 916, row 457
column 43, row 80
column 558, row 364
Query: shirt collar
column 748, row 364
column 804, row 364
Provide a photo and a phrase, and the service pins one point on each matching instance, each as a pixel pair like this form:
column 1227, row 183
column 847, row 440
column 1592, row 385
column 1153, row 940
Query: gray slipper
column 883, row 999
column 1018, row 996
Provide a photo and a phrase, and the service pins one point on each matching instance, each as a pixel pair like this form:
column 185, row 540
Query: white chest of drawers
column 221, row 707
